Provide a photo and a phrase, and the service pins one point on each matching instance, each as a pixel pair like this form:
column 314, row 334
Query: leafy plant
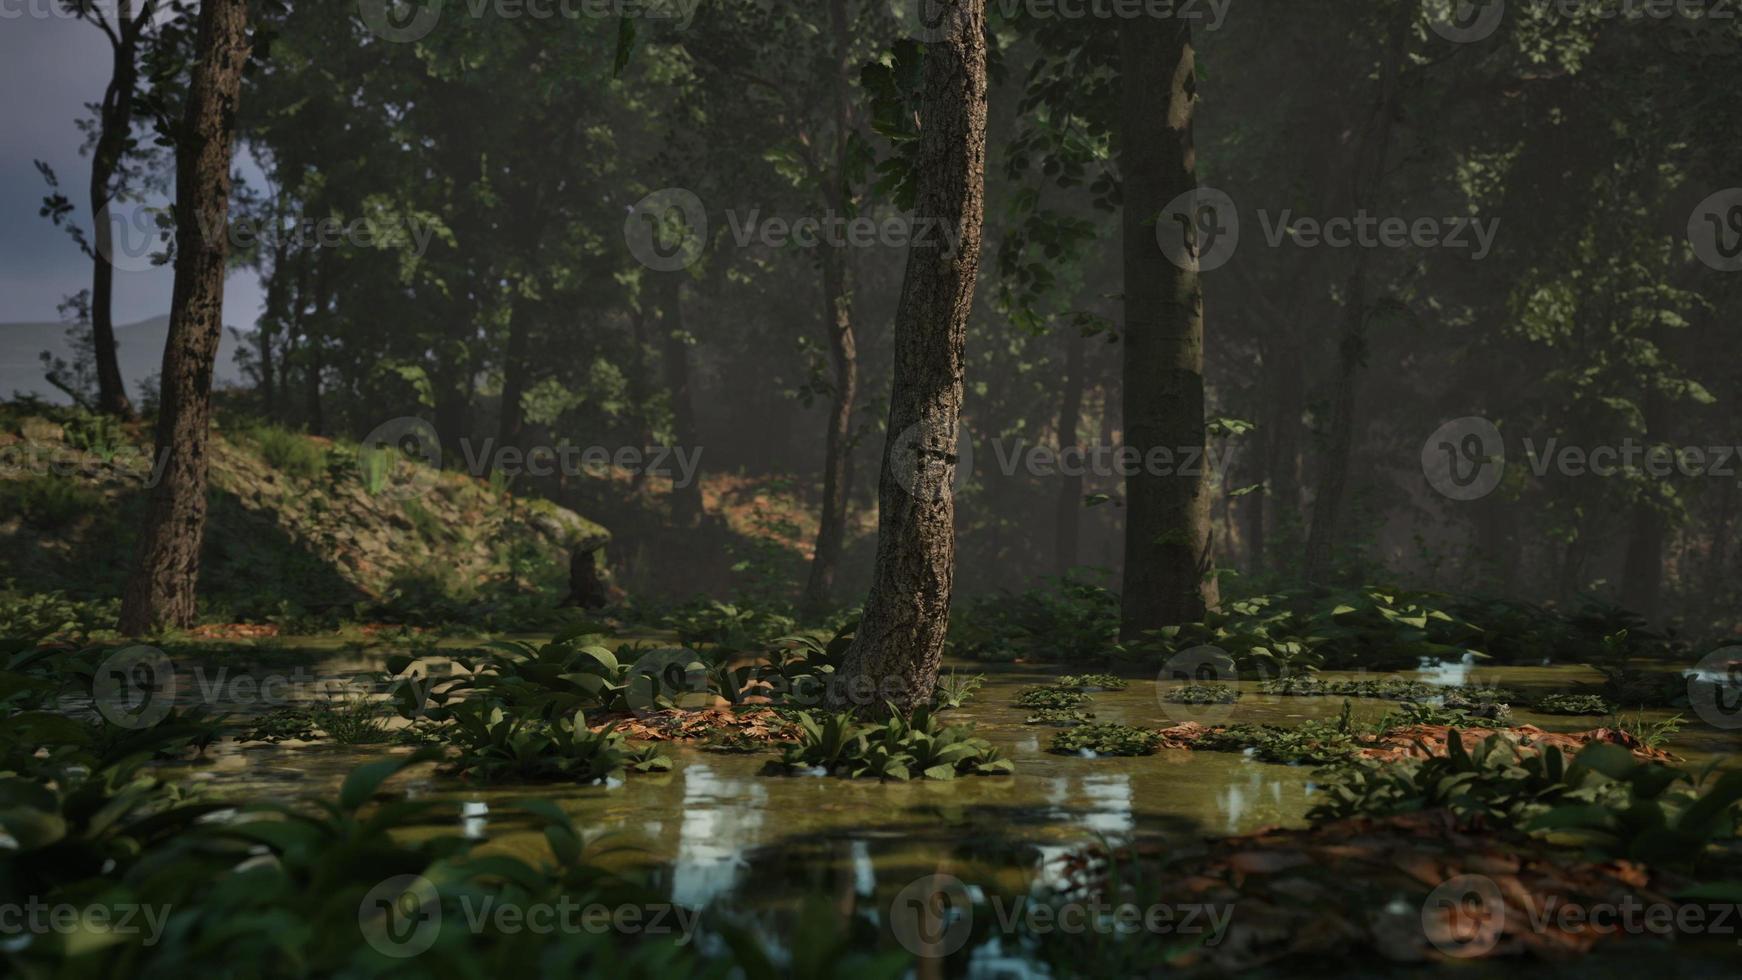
column 954, row 691
column 1060, row 716
column 1605, row 800
column 898, row 748
column 494, row 746
column 1572, row 704
column 1050, row 697
column 1202, row 694
column 1106, row 740
column 1091, row 682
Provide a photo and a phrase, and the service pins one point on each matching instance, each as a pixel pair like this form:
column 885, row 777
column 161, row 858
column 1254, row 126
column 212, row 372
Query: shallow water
column 718, row 830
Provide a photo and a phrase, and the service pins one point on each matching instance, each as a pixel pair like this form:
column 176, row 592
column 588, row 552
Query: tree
column 161, row 590
column 1169, row 577
column 112, row 146
column 899, row 643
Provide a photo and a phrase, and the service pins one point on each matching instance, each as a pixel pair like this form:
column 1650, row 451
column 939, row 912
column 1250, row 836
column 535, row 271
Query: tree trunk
column 686, row 497
column 1069, row 508
column 1368, row 175
column 161, row 590
column 843, row 345
column 895, row 653
column 837, row 447
column 115, row 119
column 1168, row 541
column 514, row 370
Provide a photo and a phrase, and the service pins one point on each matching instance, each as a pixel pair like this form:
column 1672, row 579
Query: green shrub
column 291, row 453
column 1202, row 694
column 898, row 748
column 49, row 503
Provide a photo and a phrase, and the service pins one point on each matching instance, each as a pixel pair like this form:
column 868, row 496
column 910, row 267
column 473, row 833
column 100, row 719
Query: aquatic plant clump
column 1106, row 740
column 1060, row 716
column 918, row 746
column 1091, row 682
column 1050, row 697
column 1572, row 704
column 1202, row 694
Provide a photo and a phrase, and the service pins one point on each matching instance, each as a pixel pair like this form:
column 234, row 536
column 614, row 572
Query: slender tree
column 1168, row 548
column 899, row 644
column 161, row 590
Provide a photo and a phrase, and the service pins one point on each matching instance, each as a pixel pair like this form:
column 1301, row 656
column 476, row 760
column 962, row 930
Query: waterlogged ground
column 717, row 830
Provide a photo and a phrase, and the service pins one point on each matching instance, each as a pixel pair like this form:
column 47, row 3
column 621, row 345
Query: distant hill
column 140, row 348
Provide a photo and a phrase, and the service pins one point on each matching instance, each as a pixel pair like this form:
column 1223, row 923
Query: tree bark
column 1067, row 525
column 843, row 345
column 161, row 592
column 686, row 497
column 115, row 119
column 1368, row 176
column 1169, row 563
column 899, row 644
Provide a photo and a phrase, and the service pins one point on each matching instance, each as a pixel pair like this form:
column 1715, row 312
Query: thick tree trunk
column 686, row 497
column 1169, row 572
column 115, row 119
column 1068, row 512
column 895, row 654
column 843, row 345
column 161, row 590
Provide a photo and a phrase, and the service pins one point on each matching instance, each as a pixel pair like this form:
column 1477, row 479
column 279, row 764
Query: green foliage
column 1315, row 742
column 1384, row 689
column 1572, row 704
column 100, row 435
column 1050, row 697
column 48, row 502
column 898, row 748
column 1202, row 694
column 291, row 453
column 494, row 746
column 33, row 616
column 1105, row 740
column 955, row 690
column 1064, row 717
column 1091, row 682
column 1605, row 801
column 1072, row 620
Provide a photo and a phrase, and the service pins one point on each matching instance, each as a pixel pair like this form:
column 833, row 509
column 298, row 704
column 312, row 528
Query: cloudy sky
column 50, row 67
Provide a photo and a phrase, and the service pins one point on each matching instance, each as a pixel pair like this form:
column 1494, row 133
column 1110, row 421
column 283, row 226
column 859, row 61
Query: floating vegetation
column 1060, row 716
column 1202, row 694
column 1106, row 740
column 1572, row 704
column 920, row 746
column 1091, row 682
column 1050, row 697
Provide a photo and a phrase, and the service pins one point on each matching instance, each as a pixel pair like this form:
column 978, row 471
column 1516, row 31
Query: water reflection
column 722, row 820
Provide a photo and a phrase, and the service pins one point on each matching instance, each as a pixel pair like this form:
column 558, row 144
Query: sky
column 50, row 67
